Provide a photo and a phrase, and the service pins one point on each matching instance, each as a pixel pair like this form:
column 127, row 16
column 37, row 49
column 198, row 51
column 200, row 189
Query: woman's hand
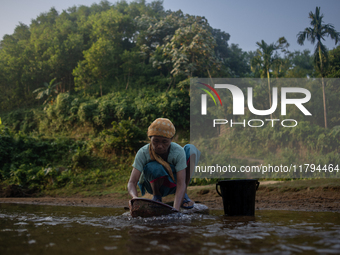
column 134, row 177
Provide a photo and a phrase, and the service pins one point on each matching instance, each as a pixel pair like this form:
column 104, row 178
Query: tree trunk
column 323, row 88
column 127, row 84
column 270, row 98
column 324, row 102
column 212, row 83
column 171, row 83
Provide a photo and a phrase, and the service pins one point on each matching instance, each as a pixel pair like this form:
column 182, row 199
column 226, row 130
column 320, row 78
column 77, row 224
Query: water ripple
column 267, row 233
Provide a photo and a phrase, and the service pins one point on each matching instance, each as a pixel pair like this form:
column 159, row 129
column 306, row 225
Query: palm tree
column 316, row 32
column 47, row 90
column 266, row 58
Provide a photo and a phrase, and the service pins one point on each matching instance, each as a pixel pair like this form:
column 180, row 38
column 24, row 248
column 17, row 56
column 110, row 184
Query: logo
column 239, row 105
column 204, row 97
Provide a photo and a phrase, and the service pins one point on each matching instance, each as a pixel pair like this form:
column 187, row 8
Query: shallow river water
column 32, row 229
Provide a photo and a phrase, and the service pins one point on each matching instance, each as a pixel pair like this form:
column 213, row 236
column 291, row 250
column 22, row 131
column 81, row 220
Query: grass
column 285, row 185
column 306, row 184
column 95, row 190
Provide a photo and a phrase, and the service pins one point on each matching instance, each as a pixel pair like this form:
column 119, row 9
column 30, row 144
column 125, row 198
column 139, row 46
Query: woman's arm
column 134, row 177
column 180, row 188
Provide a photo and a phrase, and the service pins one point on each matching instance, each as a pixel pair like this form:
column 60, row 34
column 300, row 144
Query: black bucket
column 238, row 196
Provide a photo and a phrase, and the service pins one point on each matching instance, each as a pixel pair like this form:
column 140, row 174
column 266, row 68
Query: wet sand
column 267, row 198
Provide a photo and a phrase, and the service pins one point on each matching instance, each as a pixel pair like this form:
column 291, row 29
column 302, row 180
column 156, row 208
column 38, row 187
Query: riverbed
column 42, row 229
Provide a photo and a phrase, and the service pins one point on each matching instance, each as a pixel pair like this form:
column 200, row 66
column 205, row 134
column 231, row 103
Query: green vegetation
column 37, row 163
column 315, row 33
column 47, row 91
column 113, row 69
column 304, row 144
column 324, row 184
column 267, row 59
column 299, row 185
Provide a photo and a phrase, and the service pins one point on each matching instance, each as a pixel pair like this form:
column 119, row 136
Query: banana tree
column 48, row 91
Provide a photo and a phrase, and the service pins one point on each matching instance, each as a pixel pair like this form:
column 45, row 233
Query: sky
column 247, row 21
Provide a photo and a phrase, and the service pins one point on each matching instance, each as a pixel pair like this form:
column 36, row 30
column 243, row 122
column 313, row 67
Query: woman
column 163, row 167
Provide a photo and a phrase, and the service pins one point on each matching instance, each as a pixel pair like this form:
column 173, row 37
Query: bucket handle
column 217, row 189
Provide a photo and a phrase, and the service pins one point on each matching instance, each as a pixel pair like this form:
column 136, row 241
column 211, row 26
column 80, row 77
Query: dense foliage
column 107, row 47
column 79, row 88
column 37, row 163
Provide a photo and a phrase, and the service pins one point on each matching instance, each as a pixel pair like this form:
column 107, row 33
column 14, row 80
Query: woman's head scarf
column 161, row 127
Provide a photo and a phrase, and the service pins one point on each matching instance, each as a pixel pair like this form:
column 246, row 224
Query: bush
column 123, row 137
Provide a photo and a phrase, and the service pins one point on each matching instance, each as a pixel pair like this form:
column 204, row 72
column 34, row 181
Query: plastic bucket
column 238, row 196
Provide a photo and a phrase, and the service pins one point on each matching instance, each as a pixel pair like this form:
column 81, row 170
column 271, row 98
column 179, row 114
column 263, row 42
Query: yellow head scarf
column 161, row 127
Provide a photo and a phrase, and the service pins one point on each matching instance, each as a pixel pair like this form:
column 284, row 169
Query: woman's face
column 160, row 144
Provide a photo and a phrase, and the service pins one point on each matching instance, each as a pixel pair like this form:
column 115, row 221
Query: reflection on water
column 31, row 229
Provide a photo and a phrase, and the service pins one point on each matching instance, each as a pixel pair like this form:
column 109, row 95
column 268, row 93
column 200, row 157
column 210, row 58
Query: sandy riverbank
column 270, row 196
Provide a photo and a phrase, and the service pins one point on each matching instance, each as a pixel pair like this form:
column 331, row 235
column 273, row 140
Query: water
column 32, row 229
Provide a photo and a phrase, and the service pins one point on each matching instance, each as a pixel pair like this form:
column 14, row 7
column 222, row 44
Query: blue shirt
column 176, row 157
